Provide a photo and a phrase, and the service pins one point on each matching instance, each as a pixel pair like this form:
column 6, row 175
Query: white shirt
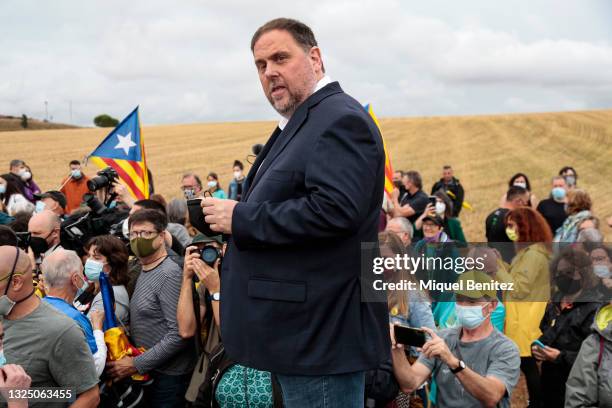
column 322, row 82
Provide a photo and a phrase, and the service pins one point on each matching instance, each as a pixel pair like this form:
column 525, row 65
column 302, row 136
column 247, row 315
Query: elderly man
column 48, row 344
column 191, row 184
column 291, row 277
column 474, row 364
column 64, row 282
column 45, row 230
column 402, row 228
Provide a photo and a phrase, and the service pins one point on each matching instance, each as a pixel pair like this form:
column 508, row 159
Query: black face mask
column 39, row 245
column 567, row 285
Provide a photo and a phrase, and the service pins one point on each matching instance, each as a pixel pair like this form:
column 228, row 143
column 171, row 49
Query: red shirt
column 74, row 190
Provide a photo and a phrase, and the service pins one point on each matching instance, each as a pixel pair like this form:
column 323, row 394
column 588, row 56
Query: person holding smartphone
column 473, row 364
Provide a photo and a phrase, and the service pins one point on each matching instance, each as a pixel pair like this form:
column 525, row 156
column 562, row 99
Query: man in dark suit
column 291, row 284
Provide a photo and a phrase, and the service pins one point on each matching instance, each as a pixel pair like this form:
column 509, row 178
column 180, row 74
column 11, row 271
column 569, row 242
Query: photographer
column 473, row 365
column 235, row 385
column 197, row 313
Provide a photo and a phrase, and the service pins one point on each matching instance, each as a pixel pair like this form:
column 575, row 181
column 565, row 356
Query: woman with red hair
column 526, row 303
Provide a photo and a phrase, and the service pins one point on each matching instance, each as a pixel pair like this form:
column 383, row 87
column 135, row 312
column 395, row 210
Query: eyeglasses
column 143, row 234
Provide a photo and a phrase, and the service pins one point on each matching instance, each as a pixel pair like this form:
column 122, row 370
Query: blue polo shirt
column 78, row 317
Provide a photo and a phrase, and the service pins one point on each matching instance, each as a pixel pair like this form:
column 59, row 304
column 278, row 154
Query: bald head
column 22, row 279
column 46, row 224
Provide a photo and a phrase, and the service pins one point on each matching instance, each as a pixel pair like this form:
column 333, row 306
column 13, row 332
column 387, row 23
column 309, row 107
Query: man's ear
column 17, row 283
column 316, row 59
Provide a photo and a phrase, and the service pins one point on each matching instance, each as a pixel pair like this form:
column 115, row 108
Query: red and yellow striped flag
column 123, row 150
column 388, row 167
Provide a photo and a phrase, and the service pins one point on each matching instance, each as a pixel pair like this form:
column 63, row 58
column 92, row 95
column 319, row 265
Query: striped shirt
column 153, row 322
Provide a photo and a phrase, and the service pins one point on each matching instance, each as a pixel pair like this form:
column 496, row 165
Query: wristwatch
column 460, row 367
column 216, row 296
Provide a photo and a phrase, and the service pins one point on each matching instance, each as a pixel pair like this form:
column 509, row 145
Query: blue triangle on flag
column 123, row 143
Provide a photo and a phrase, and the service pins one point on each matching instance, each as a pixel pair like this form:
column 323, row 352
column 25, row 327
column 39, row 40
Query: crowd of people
column 554, row 326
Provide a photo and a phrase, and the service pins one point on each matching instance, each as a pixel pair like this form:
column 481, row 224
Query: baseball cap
column 480, row 285
column 57, row 196
column 201, row 239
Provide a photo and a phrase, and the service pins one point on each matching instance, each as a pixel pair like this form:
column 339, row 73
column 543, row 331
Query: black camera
column 105, row 178
column 209, row 254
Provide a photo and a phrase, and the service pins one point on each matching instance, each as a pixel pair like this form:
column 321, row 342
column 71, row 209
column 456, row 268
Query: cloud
column 193, row 63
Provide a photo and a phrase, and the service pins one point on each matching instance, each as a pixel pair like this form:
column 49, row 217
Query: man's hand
column 14, row 377
column 207, row 275
column 121, row 369
column 545, row 354
column 395, row 194
column 436, row 347
column 97, row 319
column 218, row 213
column 191, row 254
column 123, row 194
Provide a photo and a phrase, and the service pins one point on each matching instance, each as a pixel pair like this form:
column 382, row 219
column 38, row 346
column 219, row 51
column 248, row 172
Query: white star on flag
column 125, row 142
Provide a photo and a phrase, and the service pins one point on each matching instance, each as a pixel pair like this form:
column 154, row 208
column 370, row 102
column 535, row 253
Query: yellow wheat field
column 484, row 150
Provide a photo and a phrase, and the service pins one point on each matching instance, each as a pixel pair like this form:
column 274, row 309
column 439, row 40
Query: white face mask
column 440, row 208
column 25, row 175
column 237, row 174
column 212, row 184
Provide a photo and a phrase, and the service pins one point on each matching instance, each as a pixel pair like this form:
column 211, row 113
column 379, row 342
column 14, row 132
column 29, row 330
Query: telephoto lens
column 209, row 254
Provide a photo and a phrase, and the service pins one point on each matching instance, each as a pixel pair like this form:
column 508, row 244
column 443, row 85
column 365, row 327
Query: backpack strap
column 601, row 349
column 277, row 394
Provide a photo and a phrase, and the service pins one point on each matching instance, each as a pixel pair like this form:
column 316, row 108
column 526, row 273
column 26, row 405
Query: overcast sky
column 189, row 61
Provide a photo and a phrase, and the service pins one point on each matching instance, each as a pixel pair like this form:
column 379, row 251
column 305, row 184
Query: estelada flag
column 123, row 150
column 388, row 168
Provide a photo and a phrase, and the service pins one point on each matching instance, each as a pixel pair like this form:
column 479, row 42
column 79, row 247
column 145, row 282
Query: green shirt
column 52, row 349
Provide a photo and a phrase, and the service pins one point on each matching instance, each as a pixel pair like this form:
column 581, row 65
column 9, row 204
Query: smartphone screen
column 409, row 336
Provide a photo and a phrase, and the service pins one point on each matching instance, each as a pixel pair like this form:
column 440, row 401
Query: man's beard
column 286, row 108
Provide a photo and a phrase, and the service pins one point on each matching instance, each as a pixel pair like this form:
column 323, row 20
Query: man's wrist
column 453, row 362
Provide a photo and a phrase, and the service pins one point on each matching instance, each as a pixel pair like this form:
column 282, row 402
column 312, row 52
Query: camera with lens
column 209, row 254
column 104, row 179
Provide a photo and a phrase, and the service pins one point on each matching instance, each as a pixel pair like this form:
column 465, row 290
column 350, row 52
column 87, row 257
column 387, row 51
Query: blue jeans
column 326, row 391
column 167, row 391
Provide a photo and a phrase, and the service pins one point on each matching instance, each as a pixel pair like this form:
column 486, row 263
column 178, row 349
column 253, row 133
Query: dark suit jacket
column 291, row 295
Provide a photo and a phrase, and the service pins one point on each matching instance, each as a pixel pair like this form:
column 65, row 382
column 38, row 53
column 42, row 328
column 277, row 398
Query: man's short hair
column 155, row 217
column 59, row 266
column 195, row 176
column 447, row 167
column 301, row 33
column 514, row 192
column 74, row 163
column 151, row 205
column 404, row 224
column 415, row 178
column 16, row 162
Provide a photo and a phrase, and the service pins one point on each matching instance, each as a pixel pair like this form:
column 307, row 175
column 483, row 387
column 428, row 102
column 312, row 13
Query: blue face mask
column 469, row 317
column 82, row 289
column 76, row 174
column 558, row 193
column 93, row 269
column 2, row 188
column 2, row 359
column 40, row 207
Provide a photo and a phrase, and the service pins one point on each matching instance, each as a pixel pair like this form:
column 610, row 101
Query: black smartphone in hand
column 409, row 336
